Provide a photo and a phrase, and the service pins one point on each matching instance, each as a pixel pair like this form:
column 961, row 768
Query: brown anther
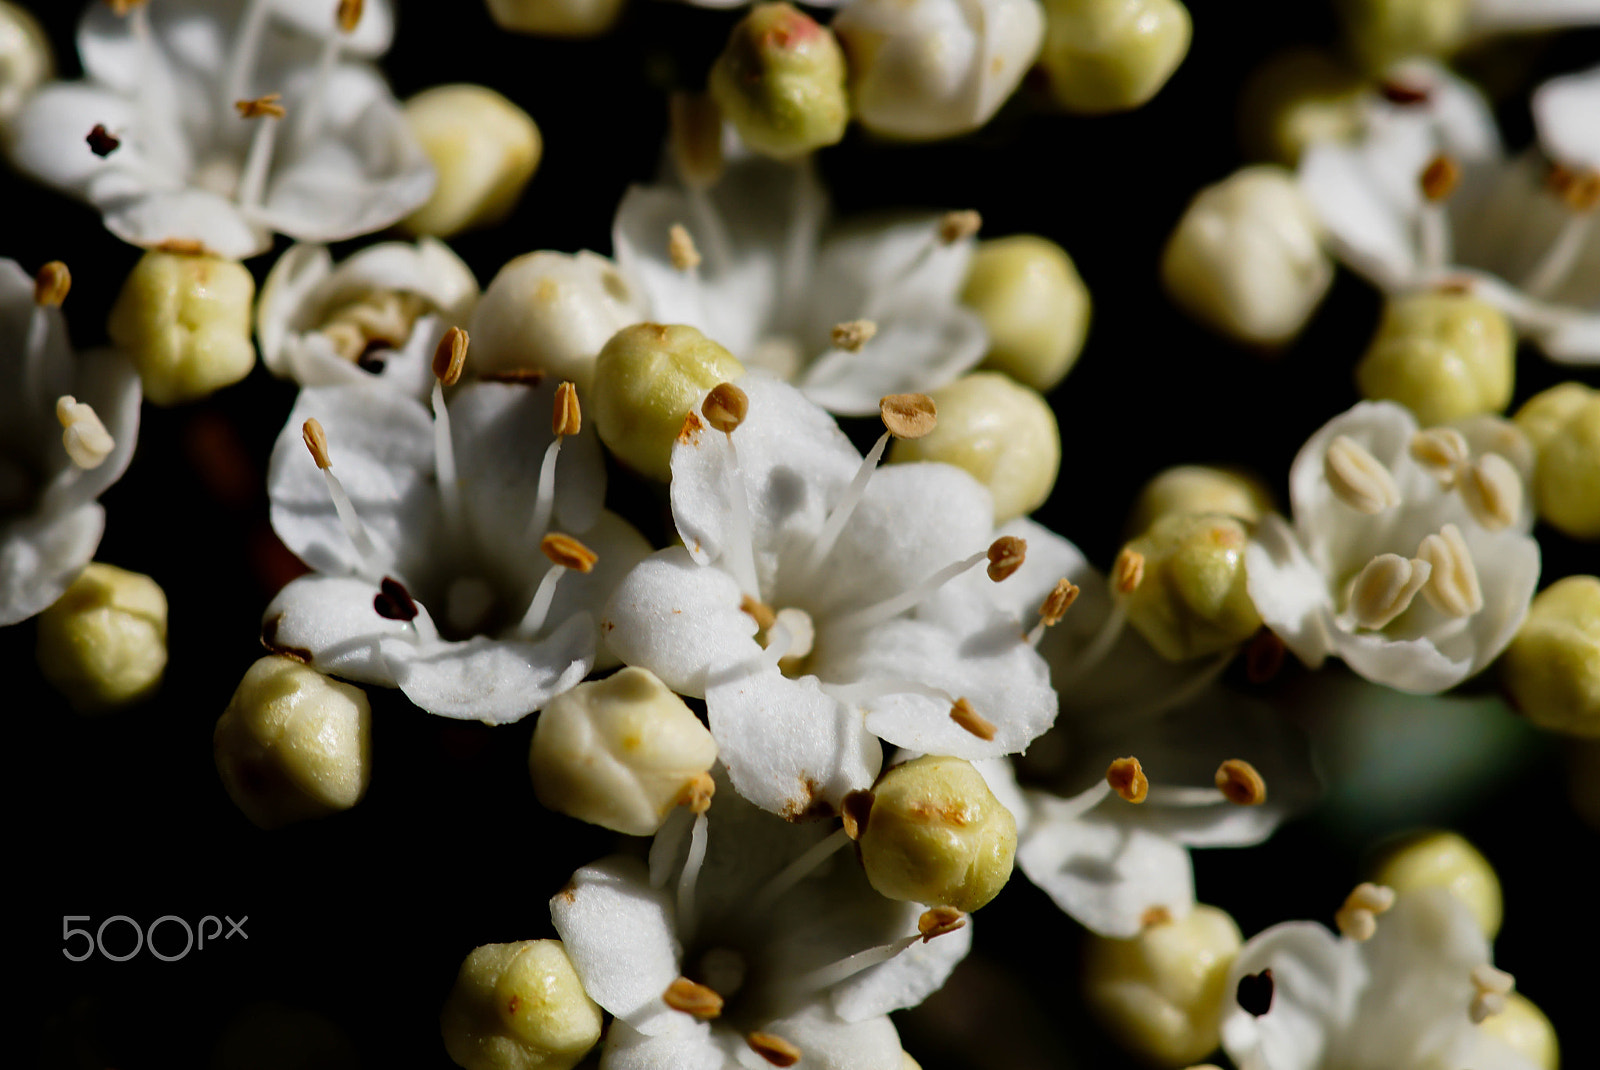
column 1155, row 916
column 1264, row 656
column 908, row 415
column 694, row 124
column 1240, row 784
column 1578, row 190
column 51, row 284
column 450, row 356
column 122, row 7
column 182, row 247
column 774, row 1049
column 1006, row 555
column 1127, row 779
column 856, row 810
column 853, row 335
column 763, row 614
column 696, row 794
column 954, row 226
column 568, row 552
column 938, row 921
column 101, row 141
column 349, row 15
column 267, row 105
column 694, row 999
column 1440, row 178
column 316, row 441
column 964, row 715
column 1403, row 94
column 567, row 418
column 1058, row 601
column 1128, row 570
column 393, row 601
column 725, row 407
column 681, row 248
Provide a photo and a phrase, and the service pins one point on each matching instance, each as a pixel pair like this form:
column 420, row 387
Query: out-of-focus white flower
column 25, row 59
column 875, row 624
column 378, row 316
column 1408, row 556
column 745, row 262
column 926, row 69
column 1426, row 198
column 426, row 546
column 67, row 431
column 219, row 123
column 1409, row 997
column 750, row 938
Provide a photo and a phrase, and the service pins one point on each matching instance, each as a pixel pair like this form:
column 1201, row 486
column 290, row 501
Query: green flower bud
column 649, row 379
column 1444, row 356
column 781, row 82
column 1191, row 488
column 519, row 1007
column 1112, row 55
column 25, row 59
column 556, row 18
column 1443, row 860
column 1193, row 598
column 936, row 834
column 1563, row 423
column 1552, row 667
column 1523, row 1026
column 1033, row 303
column 1298, row 97
column 1161, row 993
column 103, row 644
column 293, row 743
column 620, row 752
column 484, row 149
column 1381, row 32
column 185, row 321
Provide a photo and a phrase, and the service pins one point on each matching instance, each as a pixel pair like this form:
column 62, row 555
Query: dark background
column 358, row 923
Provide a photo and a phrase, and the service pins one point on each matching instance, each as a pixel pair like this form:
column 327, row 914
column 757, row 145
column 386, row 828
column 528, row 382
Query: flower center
column 375, row 321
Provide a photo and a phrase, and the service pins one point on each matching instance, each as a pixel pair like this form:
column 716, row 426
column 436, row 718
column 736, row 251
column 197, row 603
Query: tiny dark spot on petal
column 393, row 601
column 1255, row 993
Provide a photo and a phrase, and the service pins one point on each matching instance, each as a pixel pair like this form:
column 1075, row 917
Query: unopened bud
column 1443, row 860
column 1382, row 32
column 26, row 62
column 1033, row 303
column 1197, row 489
column 103, row 643
column 1193, row 598
column 484, row 150
column 1563, row 424
column 185, row 322
column 1524, row 1028
column 1112, row 55
column 1297, row 98
column 1442, row 355
column 1551, row 670
column 780, row 81
column 556, row 18
column 519, row 1007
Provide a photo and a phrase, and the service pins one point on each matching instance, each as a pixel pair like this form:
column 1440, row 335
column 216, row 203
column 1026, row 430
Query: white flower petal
column 332, row 622
column 493, row 680
column 151, row 217
column 920, row 349
column 908, row 978
column 1368, row 230
column 827, row 1043
column 1315, row 980
column 1564, row 111
column 40, row 556
column 1289, row 591
column 693, row 1046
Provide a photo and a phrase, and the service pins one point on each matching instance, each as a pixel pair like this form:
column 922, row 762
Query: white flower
column 936, row 68
column 434, row 581
column 875, row 623
column 771, row 290
column 760, row 929
column 379, row 315
column 1417, row 575
column 67, row 431
column 1426, row 197
column 1405, row 999
column 175, row 135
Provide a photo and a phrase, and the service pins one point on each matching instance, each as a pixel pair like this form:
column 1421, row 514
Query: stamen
column 1440, row 178
column 796, row 871
column 85, row 437
column 1452, row 586
column 855, row 810
column 1155, row 916
column 1386, row 587
column 908, row 415
column 695, row 1000
column 101, row 142
column 681, row 248
column 444, row 448
column 895, row 605
column 763, row 614
column 851, row 336
column 1055, row 606
column 1564, row 253
column 316, row 441
column 1578, row 190
column 51, row 285
column 1359, row 479
column 964, row 715
column 697, row 794
column 261, row 106
column 567, row 417
column 1240, row 784
column 450, row 356
column 1358, row 918
column 932, row 923
column 1442, row 450
column 774, row 1049
column 1492, row 987
column 798, row 637
column 956, row 226
column 694, row 125
column 938, row 921
column 253, row 180
column 566, row 552
column 725, row 407
column 1254, row 993
column 246, row 48
column 1492, row 491
column 691, row 873
column 1006, row 555
column 349, row 15
column 1128, row 570
column 1126, row 778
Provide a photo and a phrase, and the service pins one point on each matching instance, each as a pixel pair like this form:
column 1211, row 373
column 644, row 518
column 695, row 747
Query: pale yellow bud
column 1197, row 489
column 1564, row 425
column 937, row 835
column 556, row 18
column 1112, row 55
column 484, row 149
column 1193, row 599
column 1551, row 670
column 1381, row 32
column 1444, row 356
column 1523, row 1026
column 1034, row 304
column 25, row 59
column 649, row 380
column 185, row 322
column 519, row 1007
column 293, row 743
column 1002, row 433
column 619, row 752
column 781, row 82
column 103, row 644
column 1297, row 98
column 1161, row 993
column 1443, row 860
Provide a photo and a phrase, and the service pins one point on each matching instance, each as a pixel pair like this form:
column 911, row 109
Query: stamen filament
column 351, row 520
column 316, row 106
column 544, row 501
column 1433, row 236
column 1093, row 654
column 687, row 878
column 246, row 48
column 840, row 516
column 796, row 871
column 741, row 551
column 1562, row 256
column 444, row 465
column 539, row 608
column 253, row 182
column 895, row 605
column 826, row 977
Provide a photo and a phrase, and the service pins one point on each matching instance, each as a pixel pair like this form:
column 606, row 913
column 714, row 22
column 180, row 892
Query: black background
column 359, row 922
